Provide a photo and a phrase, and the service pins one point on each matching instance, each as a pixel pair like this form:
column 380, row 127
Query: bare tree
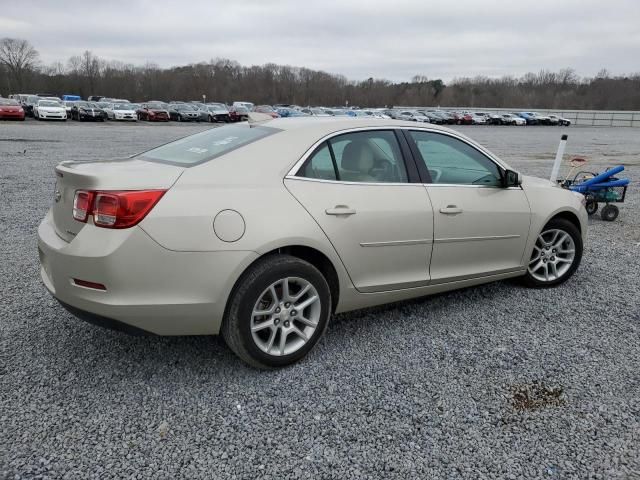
column 19, row 58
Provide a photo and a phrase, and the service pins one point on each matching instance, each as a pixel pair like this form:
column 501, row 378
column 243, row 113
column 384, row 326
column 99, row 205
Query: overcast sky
column 358, row 38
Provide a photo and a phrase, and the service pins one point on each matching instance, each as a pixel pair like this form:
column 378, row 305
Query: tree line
column 226, row 80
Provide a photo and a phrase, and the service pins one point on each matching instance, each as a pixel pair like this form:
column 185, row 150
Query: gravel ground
column 490, row 382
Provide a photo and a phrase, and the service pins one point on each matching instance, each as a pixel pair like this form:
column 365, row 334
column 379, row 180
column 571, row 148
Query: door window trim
column 409, row 162
column 407, row 153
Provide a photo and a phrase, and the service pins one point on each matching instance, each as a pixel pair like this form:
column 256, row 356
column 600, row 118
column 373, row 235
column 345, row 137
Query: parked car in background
column 71, row 98
column 11, row 109
column 218, row 112
column 87, row 111
column 511, row 119
column 291, row 112
column 29, row 103
column 184, row 112
column 248, row 105
column 239, row 113
column 121, row 111
column 95, row 98
column 315, row 112
column 560, row 120
column 49, row 110
column 153, row 112
column 267, row 109
column 529, row 117
column 543, row 119
column 412, row 116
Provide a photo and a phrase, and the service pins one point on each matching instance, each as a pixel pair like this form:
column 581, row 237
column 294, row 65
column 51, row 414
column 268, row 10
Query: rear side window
column 205, row 146
column 368, row 157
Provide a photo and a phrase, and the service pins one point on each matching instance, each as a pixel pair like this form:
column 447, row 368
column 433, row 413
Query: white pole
column 558, row 161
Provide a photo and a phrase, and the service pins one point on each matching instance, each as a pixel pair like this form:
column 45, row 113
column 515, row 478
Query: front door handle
column 451, row 210
column 340, row 210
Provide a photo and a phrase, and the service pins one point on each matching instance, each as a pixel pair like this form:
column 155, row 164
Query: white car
column 413, row 117
column 262, row 230
column 510, row 119
column 121, row 111
column 49, row 110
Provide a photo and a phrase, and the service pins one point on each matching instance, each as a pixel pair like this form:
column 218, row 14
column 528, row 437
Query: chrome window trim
column 292, row 174
column 396, row 243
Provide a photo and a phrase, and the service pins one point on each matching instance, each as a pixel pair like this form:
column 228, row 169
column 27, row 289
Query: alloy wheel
column 553, row 254
column 285, row 316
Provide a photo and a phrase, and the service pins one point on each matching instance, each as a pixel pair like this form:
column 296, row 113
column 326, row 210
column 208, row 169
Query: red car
column 267, row 109
column 11, row 109
column 153, row 112
column 238, row 114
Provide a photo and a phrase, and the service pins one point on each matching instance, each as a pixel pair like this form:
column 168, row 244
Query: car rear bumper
column 148, row 288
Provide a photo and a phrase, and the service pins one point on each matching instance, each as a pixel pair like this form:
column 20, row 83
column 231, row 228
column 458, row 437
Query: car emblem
column 57, row 196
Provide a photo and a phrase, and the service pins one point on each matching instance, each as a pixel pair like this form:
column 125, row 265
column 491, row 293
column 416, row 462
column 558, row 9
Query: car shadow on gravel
column 145, row 356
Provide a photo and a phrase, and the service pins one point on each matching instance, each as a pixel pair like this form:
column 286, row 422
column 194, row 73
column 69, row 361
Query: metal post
column 558, row 160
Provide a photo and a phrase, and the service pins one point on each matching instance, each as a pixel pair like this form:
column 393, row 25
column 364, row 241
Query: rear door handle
column 340, row 210
column 451, row 210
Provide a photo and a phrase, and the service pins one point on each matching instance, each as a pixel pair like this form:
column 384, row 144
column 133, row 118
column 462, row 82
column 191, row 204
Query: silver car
column 261, row 231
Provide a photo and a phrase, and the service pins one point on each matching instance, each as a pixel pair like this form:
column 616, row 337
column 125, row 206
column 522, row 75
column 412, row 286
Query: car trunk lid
column 123, row 174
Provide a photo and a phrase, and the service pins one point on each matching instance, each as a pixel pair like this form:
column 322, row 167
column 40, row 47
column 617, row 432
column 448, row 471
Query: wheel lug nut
column 286, row 323
column 293, row 313
column 276, row 321
column 286, row 305
column 278, row 310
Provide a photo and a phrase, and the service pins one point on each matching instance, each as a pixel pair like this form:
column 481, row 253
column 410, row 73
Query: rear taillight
column 114, row 209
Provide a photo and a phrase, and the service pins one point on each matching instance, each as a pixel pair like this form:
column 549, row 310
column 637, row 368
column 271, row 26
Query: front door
column 480, row 227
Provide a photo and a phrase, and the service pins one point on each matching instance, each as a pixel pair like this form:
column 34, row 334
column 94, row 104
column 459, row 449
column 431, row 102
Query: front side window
column 453, row 161
column 370, row 157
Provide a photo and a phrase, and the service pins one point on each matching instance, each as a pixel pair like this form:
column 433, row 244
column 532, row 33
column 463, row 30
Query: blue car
column 529, row 117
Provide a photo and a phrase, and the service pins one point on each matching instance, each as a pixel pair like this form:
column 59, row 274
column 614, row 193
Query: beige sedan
column 261, row 231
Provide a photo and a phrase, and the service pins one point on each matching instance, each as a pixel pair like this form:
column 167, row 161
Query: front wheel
column 556, row 255
column 278, row 312
column 591, row 207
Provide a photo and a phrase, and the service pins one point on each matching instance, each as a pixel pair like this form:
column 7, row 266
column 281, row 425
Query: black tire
column 609, row 213
column 236, row 326
column 591, row 207
column 568, row 227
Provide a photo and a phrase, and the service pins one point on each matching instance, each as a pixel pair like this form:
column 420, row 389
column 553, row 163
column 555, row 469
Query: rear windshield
column 207, row 145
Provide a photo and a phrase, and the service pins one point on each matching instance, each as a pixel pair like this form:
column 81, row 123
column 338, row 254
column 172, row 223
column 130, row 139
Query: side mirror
column 512, row 178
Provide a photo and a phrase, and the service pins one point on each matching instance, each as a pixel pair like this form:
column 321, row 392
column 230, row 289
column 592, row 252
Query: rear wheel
column 591, row 207
column 556, row 255
column 609, row 213
column 278, row 312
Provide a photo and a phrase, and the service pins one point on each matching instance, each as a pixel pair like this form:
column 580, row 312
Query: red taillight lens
column 117, row 209
column 82, row 205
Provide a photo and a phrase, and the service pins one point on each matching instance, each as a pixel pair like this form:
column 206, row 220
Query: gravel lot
column 491, row 382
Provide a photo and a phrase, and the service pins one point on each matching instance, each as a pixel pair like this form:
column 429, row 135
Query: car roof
column 321, row 126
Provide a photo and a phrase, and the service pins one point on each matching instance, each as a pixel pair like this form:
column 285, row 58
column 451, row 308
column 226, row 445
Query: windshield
column 6, row 101
column 183, row 106
column 122, row 106
column 156, row 106
column 48, row 103
column 217, row 106
column 81, row 104
column 207, row 145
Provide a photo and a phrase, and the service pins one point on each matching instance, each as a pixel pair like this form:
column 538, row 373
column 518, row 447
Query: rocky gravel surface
column 496, row 381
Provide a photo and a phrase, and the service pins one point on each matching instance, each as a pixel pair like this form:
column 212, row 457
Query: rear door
column 480, row 227
column 370, row 204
